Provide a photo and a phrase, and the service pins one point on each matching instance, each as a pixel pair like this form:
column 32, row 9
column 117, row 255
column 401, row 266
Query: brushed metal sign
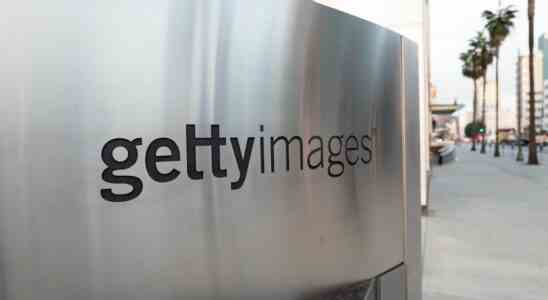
column 334, row 154
column 218, row 149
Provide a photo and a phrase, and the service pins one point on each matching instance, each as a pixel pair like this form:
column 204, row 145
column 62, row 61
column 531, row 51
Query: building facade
column 546, row 104
column 523, row 90
column 543, row 46
column 490, row 105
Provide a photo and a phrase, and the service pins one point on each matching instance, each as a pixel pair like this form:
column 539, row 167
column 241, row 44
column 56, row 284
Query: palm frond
column 488, row 14
column 499, row 24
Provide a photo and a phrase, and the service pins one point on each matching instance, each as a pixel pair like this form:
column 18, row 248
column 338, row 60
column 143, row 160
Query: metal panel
column 77, row 74
column 412, row 165
column 391, row 286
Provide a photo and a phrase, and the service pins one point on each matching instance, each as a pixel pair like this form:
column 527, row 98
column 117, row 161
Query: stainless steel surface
column 391, row 286
column 76, row 74
column 371, row 293
column 412, row 165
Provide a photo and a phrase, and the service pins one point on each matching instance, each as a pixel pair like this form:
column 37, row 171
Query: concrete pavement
column 486, row 236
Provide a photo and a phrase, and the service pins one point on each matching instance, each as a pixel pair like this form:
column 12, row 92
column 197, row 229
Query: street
column 486, row 234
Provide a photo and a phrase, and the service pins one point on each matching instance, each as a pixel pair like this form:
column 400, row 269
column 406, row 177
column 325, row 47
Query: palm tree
column 470, row 69
column 498, row 25
column 485, row 58
column 533, row 157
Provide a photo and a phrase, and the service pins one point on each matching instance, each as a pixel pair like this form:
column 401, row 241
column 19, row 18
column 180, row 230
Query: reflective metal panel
column 390, row 285
column 413, row 255
column 78, row 74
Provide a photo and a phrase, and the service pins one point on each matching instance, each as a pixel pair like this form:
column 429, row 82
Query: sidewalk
column 486, row 236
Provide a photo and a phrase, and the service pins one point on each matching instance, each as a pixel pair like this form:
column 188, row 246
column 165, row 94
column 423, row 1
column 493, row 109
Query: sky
column 453, row 23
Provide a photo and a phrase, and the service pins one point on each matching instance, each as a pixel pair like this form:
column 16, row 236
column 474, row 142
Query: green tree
column 484, row 59
column 498, row 25
column 472, row 129
column 471, row 69
column 533, row 156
